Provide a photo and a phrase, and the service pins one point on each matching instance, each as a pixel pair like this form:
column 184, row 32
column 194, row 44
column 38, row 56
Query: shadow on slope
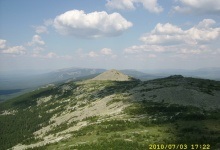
column 187, row 124
column 115, row 87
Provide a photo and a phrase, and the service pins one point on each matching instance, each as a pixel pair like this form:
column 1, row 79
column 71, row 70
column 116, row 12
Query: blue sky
column 120, row 34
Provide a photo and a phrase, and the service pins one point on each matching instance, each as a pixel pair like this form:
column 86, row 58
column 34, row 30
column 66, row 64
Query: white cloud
column 150, row 5
column 167, row 29
column 198, row 6
column 37, row 50
column 36, row 40
column 198, row 35
column 164, row 34
column 144, row 48
column 93, row 54
column 106, row 51
column 170, row 39
column 103, row 53
column 170, row 34
column 206, row 23
column 2, row 43
column 183, row 49
column 51, row 55
column 120, row 4
column 161, row 39
column 189, row 51
column 40, row 29
column 91, row 25
column 16, row 50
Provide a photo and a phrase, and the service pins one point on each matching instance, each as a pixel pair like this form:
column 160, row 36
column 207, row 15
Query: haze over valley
column 14, row 84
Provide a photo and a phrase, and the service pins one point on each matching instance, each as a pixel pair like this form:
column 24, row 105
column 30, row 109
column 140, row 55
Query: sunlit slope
column 104, row 114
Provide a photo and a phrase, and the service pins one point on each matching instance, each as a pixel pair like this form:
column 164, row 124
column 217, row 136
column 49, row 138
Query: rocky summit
column 113, row 75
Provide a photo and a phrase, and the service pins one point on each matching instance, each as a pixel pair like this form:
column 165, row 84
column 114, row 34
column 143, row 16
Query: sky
column 120, row 34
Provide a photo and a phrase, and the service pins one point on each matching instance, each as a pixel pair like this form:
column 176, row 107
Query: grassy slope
column 145, row 122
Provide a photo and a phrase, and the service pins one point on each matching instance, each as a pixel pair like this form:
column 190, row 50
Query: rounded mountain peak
column 113, row 75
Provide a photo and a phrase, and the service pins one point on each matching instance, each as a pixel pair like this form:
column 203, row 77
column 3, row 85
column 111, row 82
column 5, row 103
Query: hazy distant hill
column 14, row 84
column 141, row 75
column 23, row 81
column 17, row 84
column 206, row 73
column 105, row 114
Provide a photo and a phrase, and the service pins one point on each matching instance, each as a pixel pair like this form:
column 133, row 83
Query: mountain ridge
column 82, row 114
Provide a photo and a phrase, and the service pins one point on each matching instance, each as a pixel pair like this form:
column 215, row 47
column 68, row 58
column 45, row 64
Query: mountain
column 210, row 73
column 110, row 114
column 17, row 84
column 32, row 80
column 22, row 81
column 73, row 73
column 113, row 75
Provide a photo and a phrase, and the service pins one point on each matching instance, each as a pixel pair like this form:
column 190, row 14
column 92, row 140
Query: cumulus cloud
column 144, row 48
column 206, row 23
column 167, row 29
column 164, row 34
column 198, row 6
column 168, row 38
column 93, row 54
column 170, row 34
column 106, row 51
column 161, row 39
column 51, row 55
column 151, row 5
column 153, row 50
column 91, row 25
column 40, row 29
column 36, row 40
column 120, row 4
column 198, row 35
column 16, row 50
column 2, row 43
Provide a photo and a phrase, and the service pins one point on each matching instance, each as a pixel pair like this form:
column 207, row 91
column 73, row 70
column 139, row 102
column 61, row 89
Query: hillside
column 104, row 114
column 113, row 75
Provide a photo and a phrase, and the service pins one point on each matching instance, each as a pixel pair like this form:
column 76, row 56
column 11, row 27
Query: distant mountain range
column 14, row 85
column 22, row 81
column 17, row 83
column 206, row 73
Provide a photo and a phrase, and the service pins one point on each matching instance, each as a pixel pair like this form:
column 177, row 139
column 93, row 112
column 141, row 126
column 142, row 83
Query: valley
column 113, row 111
